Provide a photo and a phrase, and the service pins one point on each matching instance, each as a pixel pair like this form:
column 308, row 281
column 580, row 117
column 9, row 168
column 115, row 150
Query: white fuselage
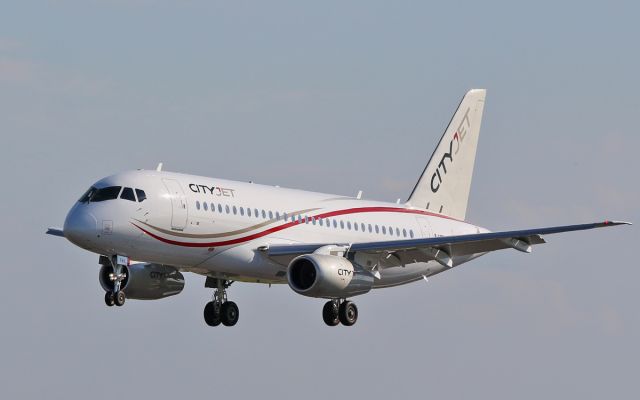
column 217, row 227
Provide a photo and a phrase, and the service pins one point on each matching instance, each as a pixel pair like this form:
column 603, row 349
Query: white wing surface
column 444, row 249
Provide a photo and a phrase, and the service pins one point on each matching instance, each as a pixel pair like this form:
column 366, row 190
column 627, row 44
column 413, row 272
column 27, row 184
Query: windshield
column 87, row 195
column 108, row 193
column 111, row 193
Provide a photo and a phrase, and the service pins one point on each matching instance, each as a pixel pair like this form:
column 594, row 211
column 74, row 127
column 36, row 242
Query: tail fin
column 444, row 184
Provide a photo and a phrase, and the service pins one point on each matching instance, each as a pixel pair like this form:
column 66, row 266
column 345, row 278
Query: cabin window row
column 303, row 219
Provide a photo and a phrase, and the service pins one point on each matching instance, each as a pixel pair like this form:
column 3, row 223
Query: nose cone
column 80, row 226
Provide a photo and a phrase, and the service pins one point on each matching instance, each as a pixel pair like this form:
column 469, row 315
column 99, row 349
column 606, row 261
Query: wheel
column 348, row 313
column 211, row 315
column 229, row 313
column 119, row 298
column 109, row 299
column 330, row 313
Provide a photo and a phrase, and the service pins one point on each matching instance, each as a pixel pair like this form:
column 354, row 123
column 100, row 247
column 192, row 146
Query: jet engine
column 145, row 281
column 327, row 276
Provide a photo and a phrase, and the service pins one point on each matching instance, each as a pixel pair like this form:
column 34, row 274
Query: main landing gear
column 219, row 310
column 115, row 296
column 339, row 311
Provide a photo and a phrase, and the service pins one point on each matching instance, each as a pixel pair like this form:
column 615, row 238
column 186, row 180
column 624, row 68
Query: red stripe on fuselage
column 290, row 224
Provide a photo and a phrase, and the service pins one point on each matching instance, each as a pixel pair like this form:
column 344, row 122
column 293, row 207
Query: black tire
column 229, row 313
column 348, row 313
column 211, row 317
column 120, row 298
column 330, row 313
column 109, row 299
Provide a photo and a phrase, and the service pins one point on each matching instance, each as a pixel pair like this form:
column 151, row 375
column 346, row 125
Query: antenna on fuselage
column 359, row 196
column 159, row 167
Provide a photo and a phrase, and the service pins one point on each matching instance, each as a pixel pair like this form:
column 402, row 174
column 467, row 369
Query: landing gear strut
column 339, row 311
column 219, row 310
column 115, row 296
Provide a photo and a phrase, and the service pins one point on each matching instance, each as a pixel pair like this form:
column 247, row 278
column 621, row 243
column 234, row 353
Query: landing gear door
column 425, row 227
column 178, row 204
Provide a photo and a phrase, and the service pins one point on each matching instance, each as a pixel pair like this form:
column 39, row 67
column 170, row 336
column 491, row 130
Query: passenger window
column 264, row 214
column 242, row 211
column 355, row 226
column 270, row 215
column 277, row 215
column 248, row 212
column 377, row 230
column 411, row 233
column 384, row 230
column 255, row 212
column 226, row 208
column 362, row 226
column 369, row 228
column 220, row 208
column 205, row 206
column 320, row 222
column 108, row 193
column 127, row 194
column 335, row 224
column 141, row 195
column 391, row 231
column 235, row 210
column 397, row 231
column 197, row 204
column 341, row 224
column 213, row 207
column 404, row 233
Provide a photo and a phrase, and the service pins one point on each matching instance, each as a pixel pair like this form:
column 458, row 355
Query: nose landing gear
column 339, row 311
column 219, row 310
column 115, row 296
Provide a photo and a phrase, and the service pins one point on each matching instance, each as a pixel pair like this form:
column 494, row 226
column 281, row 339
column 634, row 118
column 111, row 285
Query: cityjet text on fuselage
column 212, row 190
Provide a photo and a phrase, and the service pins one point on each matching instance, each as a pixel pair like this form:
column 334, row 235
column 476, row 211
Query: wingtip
column 613, row 223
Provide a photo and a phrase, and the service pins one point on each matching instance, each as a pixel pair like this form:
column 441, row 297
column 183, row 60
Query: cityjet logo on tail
column 458, row 138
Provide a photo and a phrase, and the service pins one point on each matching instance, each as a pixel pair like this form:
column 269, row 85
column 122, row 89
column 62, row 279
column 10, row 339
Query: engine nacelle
column 145, row 281
column 327, row 276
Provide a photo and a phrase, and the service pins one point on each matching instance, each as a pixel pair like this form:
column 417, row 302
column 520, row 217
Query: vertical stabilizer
column 444, row 184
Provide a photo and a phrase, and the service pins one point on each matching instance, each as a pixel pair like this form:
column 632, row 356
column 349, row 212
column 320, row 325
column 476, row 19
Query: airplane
column 150, row 226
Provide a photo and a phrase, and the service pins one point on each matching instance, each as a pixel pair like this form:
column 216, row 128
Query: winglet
column 614, row 223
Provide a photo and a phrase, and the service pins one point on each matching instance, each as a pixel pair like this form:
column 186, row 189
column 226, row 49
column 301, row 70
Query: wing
column 55, row 232
column 444, row 250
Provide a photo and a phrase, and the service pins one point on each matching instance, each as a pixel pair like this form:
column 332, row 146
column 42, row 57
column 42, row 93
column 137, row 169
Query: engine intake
column 327, row 276
column 145, row 281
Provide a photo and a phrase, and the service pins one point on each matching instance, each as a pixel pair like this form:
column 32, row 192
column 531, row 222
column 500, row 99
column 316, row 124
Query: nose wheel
column 339, row 311
column 115, row 296
column 219, row 310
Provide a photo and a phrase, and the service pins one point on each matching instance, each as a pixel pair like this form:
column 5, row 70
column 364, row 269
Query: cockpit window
column 108, row 193
column 141, row 195
column 127, row 194
column 87, row 195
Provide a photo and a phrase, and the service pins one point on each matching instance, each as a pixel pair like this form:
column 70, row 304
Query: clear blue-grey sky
column 334, row 97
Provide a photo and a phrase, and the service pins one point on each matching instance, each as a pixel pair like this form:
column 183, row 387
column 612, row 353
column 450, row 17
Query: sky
column 333, row 97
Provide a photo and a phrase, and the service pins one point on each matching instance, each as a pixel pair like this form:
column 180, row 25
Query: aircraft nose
column 80, row 226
